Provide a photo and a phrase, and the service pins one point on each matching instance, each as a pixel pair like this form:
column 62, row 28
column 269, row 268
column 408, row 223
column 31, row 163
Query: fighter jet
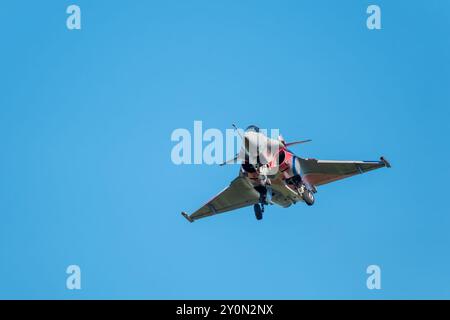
column 271, row 174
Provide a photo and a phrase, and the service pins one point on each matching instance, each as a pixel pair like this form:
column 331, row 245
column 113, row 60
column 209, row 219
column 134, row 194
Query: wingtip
column 184, row 214
column 386, row 162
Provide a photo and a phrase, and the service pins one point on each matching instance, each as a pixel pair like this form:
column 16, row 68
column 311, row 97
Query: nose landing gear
column 259, row 209
column 265, row 194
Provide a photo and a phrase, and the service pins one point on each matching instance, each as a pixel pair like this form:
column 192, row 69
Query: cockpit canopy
column 252, row 128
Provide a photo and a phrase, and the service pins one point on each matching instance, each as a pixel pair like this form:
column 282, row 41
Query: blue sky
column 86, row 176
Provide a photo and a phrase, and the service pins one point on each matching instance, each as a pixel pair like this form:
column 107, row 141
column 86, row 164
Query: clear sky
column 86, row 176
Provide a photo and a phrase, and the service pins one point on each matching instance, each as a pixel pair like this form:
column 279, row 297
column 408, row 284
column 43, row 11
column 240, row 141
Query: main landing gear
column 308, row 196
column 303, row 191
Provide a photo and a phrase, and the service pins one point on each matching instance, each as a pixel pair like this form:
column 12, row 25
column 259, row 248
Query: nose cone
column 258, row 147
column 251, row 141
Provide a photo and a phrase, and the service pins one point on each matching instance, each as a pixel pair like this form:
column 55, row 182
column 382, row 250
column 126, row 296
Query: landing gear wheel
column 308, row 196
column 258, row 211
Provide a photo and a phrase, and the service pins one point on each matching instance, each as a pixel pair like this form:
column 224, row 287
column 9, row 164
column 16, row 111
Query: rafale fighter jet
column 272, row 174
